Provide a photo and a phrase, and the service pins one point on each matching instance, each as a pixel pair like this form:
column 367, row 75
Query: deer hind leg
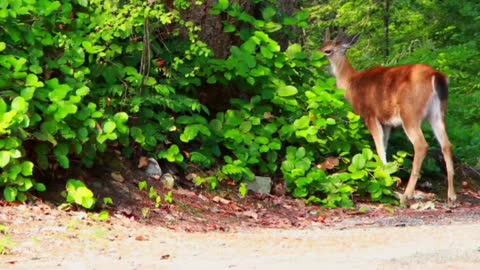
column 420, row 146
column 437, row 122
column 386, row 135
column 377, row 131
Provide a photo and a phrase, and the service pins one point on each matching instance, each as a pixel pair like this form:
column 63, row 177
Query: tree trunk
column 386, row 23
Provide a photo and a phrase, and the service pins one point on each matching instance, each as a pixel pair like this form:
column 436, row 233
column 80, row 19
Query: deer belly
column 393, row 121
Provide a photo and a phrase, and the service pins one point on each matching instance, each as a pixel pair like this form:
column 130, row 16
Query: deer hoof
column 452, row 198
column 403, row 199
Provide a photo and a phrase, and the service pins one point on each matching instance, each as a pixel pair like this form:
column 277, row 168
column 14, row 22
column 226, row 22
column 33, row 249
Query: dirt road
column 81, row 244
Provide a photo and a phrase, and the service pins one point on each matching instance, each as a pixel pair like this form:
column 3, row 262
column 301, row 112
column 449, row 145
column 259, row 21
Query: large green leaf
column 287, row 91
column 4, row 158
column 10, row 194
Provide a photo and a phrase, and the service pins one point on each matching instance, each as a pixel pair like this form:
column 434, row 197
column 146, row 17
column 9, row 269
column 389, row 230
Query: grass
column 6, row 243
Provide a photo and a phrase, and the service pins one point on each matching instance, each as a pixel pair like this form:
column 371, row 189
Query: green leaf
column 245, row 127
column 32, row 80
column 261, row 140
column 293, row 50
column 266, row 52
column 228, row 27
column 358, row 163
column 302, row 123
column 64, row 109
column 367, row 154
column 61, row 152
column 331, row 121
column 10, row 194
column 109, row 126
column 21, row 197
column 3, row 46
column 4, row 158
column 3, row 106
column 358, row 175
column 287, row 91
column 222, row 4
column 300, row 153
column 40, row 187
column 27, row 168
column 82, row 91
column 120, row 117
column 243, row 190
column 268, row 13
column 142, row 185
column 41, row 151
column 59, row 91
column 27, row 93
column 19, row 104
column 83, row 3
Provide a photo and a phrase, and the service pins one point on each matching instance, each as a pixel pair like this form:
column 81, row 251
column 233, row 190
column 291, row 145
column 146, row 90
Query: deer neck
column 343, row 71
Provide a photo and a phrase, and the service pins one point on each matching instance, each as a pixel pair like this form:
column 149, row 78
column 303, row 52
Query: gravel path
column 86, row 245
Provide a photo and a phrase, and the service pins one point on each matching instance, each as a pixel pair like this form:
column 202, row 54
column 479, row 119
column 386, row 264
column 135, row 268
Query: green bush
column 79, row 77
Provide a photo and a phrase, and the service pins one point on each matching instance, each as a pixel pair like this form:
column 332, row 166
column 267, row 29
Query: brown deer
column 396, row 96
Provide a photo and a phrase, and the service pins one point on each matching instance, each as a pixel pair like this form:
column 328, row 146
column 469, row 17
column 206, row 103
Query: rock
column 191, row 176
column 168, row 180
column 261, row 185
column 153, row 168
column 117, row 176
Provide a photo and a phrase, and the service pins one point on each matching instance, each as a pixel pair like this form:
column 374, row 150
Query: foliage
column 78, row 78
column 78, row 193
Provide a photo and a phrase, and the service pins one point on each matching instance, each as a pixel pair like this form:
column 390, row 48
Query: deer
column 388, row 97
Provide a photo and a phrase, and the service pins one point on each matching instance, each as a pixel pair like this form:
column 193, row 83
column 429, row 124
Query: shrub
column 80, row 77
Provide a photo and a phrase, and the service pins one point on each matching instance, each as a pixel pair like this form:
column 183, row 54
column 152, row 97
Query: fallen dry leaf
column 141, row 238
column 250, row 214
column 329, row 163
column 268, row 115
column 423, row 206
column 220, row 200
column 142, row 162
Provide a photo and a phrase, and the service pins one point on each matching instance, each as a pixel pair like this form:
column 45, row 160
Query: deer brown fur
column 396, row 96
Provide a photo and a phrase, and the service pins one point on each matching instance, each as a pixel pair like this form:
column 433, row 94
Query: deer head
column 337, row 47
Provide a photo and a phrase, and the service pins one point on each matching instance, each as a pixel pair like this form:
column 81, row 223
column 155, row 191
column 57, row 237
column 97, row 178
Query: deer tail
column 440, row 84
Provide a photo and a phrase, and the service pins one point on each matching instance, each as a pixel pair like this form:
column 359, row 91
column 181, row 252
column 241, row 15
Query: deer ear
column 351, row 41
column 326, row 36
column 354, row 39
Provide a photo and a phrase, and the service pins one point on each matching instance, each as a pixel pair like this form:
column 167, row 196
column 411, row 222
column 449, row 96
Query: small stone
column 168, row 180
column 203, row 198
column 191, row 176
column 153, row 168
column 261, row 185
column 117, row 176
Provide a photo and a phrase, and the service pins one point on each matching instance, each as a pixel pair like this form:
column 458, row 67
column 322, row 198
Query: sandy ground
column 77, row 241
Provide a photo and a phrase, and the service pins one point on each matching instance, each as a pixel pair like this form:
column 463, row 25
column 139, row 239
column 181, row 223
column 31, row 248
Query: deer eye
column 328, row 52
